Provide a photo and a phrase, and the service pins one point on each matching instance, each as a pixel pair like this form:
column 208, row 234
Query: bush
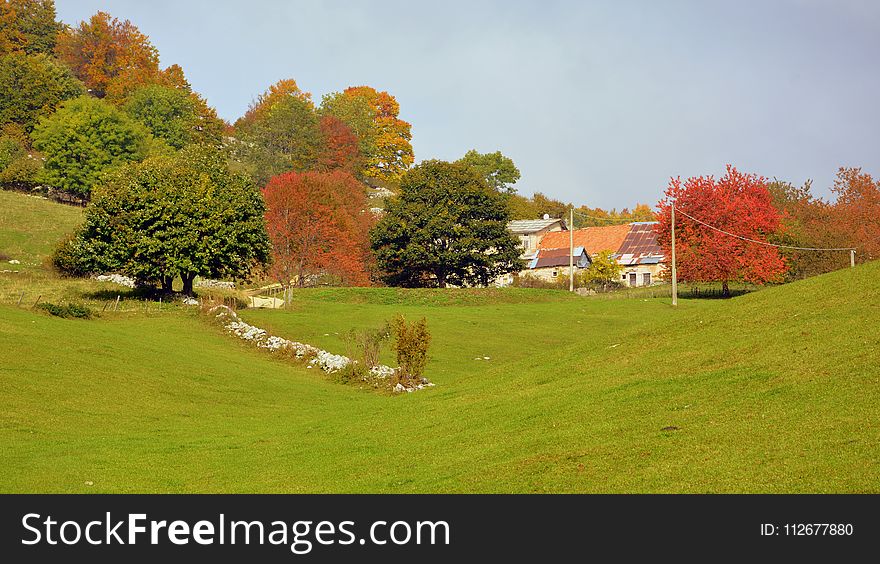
column 75, row 311
column 411, row 341
column 67, row 258
column 364, row 347
column 530, row 281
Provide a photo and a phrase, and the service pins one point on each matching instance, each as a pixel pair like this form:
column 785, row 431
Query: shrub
column 67, row 257
column 411, row 341
column 75, row 311
column 530, row 281
column 364, row 347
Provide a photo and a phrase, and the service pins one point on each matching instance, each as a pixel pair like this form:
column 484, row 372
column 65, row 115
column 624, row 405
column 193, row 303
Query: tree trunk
column 725, row 288
column 441, row 279
column 188, row 278
column 167, row 284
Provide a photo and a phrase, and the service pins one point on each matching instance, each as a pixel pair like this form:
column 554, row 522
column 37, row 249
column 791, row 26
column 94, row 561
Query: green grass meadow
column 774, row 391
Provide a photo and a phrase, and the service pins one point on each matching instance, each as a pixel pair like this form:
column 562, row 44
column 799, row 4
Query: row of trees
column 88, row 110
column 775, row 214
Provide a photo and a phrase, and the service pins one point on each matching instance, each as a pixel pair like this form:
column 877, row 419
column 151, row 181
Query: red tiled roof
column 594, row 239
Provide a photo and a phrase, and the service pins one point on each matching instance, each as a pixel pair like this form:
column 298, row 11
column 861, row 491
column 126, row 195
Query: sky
column 597, row 103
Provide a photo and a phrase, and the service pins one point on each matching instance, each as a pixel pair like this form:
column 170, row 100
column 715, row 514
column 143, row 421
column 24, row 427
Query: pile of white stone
column 208, row 283
column 116, row 279
column 326, row 361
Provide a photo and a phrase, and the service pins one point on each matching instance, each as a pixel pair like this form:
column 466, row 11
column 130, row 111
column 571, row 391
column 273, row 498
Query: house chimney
column 546, row 216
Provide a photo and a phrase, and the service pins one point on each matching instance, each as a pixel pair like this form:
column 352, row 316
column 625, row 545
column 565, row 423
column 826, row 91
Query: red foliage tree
column 857, row 210
column 319, row 224
column 737, row 203
column 340, row 149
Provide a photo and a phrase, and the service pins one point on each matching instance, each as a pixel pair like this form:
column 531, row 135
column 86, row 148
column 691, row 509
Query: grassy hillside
column 770, row 392
column 774, row 391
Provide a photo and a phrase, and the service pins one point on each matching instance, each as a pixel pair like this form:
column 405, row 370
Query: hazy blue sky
column 596, row 102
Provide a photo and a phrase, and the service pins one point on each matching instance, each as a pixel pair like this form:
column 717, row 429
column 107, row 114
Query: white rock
column 14, row 261
column 116, row 279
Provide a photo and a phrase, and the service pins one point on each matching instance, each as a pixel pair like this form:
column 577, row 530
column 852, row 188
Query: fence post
column 852, row 258
column 21, row 297
column 36, row 302
column 115, row 307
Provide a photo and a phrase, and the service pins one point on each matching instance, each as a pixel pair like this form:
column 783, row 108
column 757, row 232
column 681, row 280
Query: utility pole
column 674, row 273
column 852, row 258
column 571, row 249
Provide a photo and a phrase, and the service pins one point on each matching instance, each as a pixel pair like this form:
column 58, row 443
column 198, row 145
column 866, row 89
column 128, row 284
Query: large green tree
column 447, row 226
column 33, row 86
column 499, row 171
column 19, row 166
column 181, row 215
column 171, row 114
column 85, row 138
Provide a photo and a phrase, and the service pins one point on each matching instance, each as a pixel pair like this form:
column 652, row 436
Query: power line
column 583, row 215
column 763, row 242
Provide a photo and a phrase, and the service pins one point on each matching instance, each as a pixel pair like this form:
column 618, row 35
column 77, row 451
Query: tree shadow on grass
column 139, row 293
column 712, row 293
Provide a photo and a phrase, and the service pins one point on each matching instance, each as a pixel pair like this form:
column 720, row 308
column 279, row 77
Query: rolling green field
column 774, row 391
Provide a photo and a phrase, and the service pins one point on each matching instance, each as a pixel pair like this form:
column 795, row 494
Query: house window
column 646, row 279
column 554, row 274
column 633, row 279
column 623, row 276
column 524, row 241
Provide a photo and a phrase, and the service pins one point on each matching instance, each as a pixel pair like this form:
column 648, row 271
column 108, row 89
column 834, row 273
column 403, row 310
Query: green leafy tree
column 33, row 86
column 603, row 271
column 447, row 226
column 499, row 171
column 28, row 26
column 19, row 166
column 85, row 138
column 171, row 114
column 181, row 215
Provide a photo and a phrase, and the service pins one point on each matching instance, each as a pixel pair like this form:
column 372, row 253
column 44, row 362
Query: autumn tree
column 499, row 171
column 737, row 203
column 856, row 211
column 84, row 139
column 339, row 147
column 33, row 86
column 28, row 26
column 183, row 215
column 383, row 138
column 808, row 222
column 447, row 226
column 318, row 224
column 113, row 58
column 278, row 92
column 280, row 132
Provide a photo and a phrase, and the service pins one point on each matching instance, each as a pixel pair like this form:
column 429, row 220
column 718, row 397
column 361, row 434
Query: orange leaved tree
column 318, row 223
